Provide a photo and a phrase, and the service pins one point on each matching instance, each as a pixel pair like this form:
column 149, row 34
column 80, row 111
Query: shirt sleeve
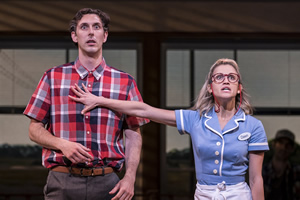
column 134, row 95
column 258, row 140
column 38, row 107
column 185, row 120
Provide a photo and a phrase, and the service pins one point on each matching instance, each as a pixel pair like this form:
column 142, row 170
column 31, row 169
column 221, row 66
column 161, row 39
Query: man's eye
column 83, row 27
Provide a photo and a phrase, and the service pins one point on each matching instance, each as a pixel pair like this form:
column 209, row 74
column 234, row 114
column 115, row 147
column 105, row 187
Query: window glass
column 178, row 78
column 178, row 149
column 181, row 184
column 14, row 134
column 21, row 70
column 266, row 76
column 20, row 167
column 294, row 81
column 273, row 123
column 125, row 60
column 73, row 54
column 204, row 59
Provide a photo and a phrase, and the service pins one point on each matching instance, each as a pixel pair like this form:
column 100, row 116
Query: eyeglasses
column 219, row 77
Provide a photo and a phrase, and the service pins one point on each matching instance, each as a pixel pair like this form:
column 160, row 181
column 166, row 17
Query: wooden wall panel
column 155, row 16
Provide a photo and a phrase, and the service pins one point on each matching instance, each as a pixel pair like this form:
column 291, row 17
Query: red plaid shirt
column 101, row 129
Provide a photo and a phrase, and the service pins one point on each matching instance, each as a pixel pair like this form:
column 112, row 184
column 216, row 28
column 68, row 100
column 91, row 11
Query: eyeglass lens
column 219, row 78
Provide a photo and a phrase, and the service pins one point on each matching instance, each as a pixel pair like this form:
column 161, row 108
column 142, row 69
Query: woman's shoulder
column 251, row 118
column 187, row 113
column 253, row 121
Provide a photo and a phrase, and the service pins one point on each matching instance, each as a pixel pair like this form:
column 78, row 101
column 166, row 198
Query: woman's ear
column 240, row 88
column 208, row 88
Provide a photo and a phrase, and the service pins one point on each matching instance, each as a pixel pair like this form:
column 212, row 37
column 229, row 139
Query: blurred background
column 168, row 46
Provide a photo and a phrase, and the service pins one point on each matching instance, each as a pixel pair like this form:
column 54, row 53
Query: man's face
column 283, row 148
column 89, row 34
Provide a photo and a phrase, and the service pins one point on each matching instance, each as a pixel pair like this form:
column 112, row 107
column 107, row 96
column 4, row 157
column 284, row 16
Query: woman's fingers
column 76, row 91
column 79, row 89
column 85, row 88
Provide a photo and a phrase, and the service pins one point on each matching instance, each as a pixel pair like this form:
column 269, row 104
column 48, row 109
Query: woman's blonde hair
column 205, row 100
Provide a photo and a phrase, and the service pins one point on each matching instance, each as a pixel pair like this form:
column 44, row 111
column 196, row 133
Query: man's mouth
column 91, row 42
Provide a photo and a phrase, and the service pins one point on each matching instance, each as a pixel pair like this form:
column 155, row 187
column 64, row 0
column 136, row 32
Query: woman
column 226, row 139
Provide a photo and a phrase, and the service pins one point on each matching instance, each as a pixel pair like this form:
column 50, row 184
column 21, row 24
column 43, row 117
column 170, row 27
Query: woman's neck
column 226, row 109
column 226, row 112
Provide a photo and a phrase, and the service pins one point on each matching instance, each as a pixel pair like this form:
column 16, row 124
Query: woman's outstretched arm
column 133, row 108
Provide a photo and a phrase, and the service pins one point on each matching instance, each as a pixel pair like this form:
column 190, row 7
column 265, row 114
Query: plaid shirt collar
column 83, row 72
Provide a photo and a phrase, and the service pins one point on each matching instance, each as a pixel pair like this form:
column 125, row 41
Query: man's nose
column 91, row 30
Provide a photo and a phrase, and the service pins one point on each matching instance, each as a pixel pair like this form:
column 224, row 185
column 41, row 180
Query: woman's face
column 225, row 83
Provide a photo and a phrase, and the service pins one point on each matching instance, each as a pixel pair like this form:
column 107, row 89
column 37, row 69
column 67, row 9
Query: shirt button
column 217, row 153
column 216, row 162
column 86, row 117
column 88, row 132
column 89, row 85
column 218, row 143
column 215, row 171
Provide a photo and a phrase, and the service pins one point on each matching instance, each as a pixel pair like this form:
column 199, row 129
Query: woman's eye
column 232, row 77
column 219, row 77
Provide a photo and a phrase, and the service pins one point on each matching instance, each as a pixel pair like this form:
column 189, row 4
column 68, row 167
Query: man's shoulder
column 120, row 73
column 61, row 67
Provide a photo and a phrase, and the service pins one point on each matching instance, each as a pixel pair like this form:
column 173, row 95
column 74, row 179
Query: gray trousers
column 63, row 186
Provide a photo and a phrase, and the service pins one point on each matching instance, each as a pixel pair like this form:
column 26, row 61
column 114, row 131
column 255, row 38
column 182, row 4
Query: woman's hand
column 84, row 97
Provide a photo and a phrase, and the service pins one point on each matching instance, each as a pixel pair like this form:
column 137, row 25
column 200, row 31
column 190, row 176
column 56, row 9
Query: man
column 82, row 152
column 281, row 176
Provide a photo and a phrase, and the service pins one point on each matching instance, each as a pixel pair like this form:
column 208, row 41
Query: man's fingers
column 85, row 153
column 115, row 189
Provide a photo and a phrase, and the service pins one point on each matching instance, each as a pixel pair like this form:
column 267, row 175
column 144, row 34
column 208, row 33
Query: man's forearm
column 75, row 152
column 39, row 135
column 133, row 146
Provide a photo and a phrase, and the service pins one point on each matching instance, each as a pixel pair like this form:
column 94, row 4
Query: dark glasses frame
column 237, row 79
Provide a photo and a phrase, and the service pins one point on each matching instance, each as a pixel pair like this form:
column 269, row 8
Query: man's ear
column 74, row 37
column 105, row 36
